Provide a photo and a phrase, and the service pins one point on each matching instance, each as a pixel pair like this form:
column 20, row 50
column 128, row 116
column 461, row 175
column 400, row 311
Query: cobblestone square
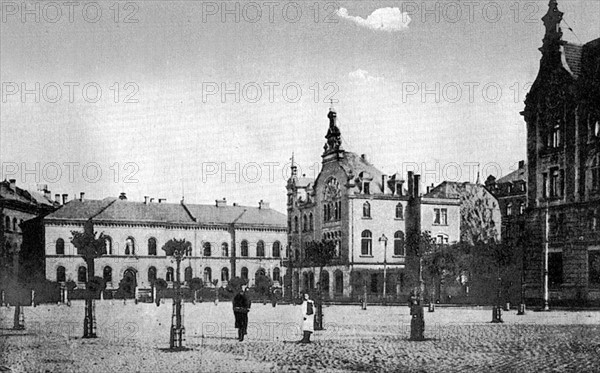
column 136, row 338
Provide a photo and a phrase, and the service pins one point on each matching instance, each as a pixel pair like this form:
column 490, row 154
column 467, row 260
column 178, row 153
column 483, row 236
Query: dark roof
column 572, row 54
column 453, row 189
column 517, row 175
column 17, row 194
column 112, row 209
column 353, row 165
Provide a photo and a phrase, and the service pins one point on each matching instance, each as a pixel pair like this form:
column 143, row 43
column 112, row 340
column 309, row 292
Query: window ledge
column 440, row 225
column 366, row 256
column 367, row 217
column 398, row 256
column 399, row 219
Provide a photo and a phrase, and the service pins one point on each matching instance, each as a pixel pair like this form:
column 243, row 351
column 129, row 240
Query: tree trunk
column 89, row 329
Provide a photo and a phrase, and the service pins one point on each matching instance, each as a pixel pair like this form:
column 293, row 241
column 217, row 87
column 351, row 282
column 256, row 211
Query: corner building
column 562, row 113
column 368, row 215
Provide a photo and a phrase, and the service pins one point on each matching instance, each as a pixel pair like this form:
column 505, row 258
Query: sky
column 210, row 99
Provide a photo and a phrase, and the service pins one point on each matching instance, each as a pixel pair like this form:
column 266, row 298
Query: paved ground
column 135, row 338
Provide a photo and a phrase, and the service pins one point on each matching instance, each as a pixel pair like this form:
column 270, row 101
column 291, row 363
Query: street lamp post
column 383, row 239
column 546, row 237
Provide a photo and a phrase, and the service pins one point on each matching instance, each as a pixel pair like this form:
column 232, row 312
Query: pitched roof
column 353, row 165
column 453, row 189
column 517, row 175
column 112, row 209
column 572, row 57
column 24, row 196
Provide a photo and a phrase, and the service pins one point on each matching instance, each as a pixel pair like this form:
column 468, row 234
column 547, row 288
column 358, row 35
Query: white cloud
column 363, row 77
column 383, row 19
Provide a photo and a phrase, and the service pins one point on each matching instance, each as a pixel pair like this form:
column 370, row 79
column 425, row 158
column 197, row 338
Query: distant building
column 17, row 206
column 562, row 113
column 480, row 217
column 368, row 215
column 511, row 192
column 227, row 241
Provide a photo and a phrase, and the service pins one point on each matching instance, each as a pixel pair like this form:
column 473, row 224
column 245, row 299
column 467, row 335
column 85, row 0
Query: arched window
column 399, row 243
column 311, row 280
column 60, row 274
column 151, row 275
column 82, row 274
column 366, row 210
column 276, row 274
column 108, row 245
column 521, row 208
column 399, row 211
column 244, row 273
column 225, row 249
column 170, row 274
column 260, row 248
column 129, row 246
column 188, row 274
column 225, row 274
column 366, row 243
column 295, row 224
column 324, row 280
column 339, row 282
column 207, row 275
column 509, row 209
column 15, row 225
column 244, row 246
column 107, row 274
column 207, row 249
column 276, row 249
column 304, row 223
column 152, row 246
column 311, row 225
column 7, row 223
column 60, row 247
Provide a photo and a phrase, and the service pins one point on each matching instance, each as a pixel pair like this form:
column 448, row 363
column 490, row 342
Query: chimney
column 161, row 200
column 383, row 177
column 263, row 205
column 416, row 185
column 65, row 199
column 57, row 198
column 13, row 184
column 364, row 157
column 146, row 198
column 151, row 200
column 521, row 164
column 411, row 182
column 221, row 202
column 81, row 195
column 42, row 187
column 47, row 195
column 430, row 188
column 123, row 197
column 235, row 204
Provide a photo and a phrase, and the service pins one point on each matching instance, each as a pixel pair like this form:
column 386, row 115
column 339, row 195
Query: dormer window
column 366, row 187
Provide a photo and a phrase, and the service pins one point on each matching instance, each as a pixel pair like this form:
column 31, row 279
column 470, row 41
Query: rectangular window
column 366, row 188
column 544, row 185
column 555, row 269
column 555, row 183
column 594, row 268
column 440, row 216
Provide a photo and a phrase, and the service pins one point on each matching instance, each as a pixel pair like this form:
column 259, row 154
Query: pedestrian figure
column 241, row 307
column 308, row 315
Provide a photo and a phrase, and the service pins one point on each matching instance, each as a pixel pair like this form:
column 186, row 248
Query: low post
column 19, row 318
column 33, row 298
column 3, row 299
column 497, row 309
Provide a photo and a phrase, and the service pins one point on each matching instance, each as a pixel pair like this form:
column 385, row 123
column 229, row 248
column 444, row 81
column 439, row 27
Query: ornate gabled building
column 562, row 113
column 17, row 206
column 367, row 214
column 227, row 241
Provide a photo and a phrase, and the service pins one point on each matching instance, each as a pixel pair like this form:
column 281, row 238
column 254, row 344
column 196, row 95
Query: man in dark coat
column 241, row 307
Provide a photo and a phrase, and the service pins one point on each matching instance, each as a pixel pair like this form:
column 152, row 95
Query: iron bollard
column 521, row 310
column 497, row 314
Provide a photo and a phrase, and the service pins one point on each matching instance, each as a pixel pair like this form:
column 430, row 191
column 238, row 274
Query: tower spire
column 334, row 136
column 294, row 168
column 552, row 19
